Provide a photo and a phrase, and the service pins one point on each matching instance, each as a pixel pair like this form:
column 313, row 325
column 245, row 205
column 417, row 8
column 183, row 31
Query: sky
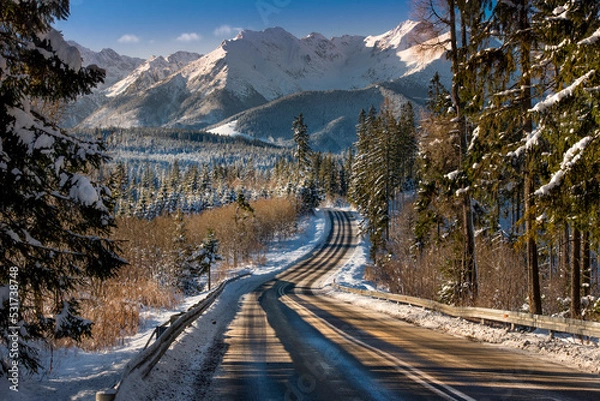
column 143, row 28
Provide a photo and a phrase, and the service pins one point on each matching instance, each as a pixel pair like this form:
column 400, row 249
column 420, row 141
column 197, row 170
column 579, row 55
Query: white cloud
column 226, row 30
column 129, row 39
column 189, row 37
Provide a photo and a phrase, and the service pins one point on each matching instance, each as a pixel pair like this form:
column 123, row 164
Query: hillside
column 271, row 75
column 331, row 116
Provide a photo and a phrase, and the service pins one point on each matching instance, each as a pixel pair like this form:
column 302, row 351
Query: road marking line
column 403, row 367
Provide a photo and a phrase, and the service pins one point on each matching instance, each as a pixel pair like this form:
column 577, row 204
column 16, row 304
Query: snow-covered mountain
column 257, row 68
column 331, row 116
column 150, row 72
column 117, row 67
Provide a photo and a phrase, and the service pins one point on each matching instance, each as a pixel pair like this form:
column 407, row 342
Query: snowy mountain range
column 257, row 82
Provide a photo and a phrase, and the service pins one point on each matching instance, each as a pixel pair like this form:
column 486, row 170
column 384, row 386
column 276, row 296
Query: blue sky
column 160, row 27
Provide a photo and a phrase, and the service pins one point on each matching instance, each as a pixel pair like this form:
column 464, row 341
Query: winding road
column 290, row 341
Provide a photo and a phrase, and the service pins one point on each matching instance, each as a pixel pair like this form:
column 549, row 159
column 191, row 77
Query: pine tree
column 361, row 179
column 119, row 185
column 346, row 177
column 463, row 21
column 568, row 124
column 243, row 214
column 174, row 188
column 432, row 166
column 54, row 219
column 208, row 254
column 307, row 188
column 378, row 172
column 303, row 152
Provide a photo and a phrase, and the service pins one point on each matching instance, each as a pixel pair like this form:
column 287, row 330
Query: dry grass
column 244, row 236
column 410, row 272
column 501, row 269
column 502, row 278
column 502, row 275
column 150, row 278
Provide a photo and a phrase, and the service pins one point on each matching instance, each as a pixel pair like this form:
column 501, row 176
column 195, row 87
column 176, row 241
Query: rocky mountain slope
column 261, row 79
column 117, row 67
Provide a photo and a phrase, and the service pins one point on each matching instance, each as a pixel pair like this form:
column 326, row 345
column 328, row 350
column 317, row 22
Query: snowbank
column 73, row 374
column 559, row 348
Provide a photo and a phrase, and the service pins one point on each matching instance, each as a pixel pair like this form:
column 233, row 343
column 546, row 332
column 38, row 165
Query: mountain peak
column 183, row 57
column 405, row 35
column 270, row 34
column 259, row 67
column 152, row 71
column 316, row 36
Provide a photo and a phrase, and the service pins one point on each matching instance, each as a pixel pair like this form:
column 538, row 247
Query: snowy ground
column 78, row 375
column 566, row 349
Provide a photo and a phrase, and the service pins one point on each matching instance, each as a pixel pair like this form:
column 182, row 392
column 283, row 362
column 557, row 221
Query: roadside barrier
column 165, row 335
column 553, row 324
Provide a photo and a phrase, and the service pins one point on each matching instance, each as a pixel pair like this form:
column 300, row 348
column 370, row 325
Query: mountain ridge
column 257, row 68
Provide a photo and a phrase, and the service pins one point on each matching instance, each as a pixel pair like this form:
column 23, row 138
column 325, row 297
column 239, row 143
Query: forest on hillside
column 507, row 198
column 489, row 197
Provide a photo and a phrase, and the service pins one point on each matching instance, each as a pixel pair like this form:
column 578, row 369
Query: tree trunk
column 576, row 276
column 209, row 278
column 468, row 258
column 586, row 265
column 535, row 299
column 533, row 273
column 469, row 266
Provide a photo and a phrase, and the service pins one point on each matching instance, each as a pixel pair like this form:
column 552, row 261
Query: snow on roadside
column 183, row 372
column 353, row 272
column 560, row 348
column 78, row 375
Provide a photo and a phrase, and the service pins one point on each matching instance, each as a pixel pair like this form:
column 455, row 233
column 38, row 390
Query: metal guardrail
column 149, row 357
column 553, row 324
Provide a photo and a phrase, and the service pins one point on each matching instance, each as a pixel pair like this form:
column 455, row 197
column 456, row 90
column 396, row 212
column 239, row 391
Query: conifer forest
column 485, row 194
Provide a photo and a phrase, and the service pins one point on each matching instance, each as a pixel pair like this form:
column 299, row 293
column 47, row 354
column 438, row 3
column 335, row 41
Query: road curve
column 289, row 341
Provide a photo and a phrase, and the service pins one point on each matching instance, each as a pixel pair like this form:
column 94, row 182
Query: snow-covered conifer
column 54, row 219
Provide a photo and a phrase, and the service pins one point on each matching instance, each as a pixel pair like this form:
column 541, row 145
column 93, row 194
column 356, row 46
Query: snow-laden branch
column 590, row 40
column 553, row 99
column 474, row 139
column 67, row 54
column 570, row 158
column 530, row 142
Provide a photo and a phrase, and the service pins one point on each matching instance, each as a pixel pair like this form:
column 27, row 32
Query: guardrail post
column 108, row 395
column 160, row 330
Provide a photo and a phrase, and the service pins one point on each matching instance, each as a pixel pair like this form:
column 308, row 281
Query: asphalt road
column 289, row 341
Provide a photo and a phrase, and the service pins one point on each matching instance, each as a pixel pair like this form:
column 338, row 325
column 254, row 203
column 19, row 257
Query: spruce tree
column 54, row 219
column 378, row 172
column 435, row 160
column 307, row 189
column 208, row 254
column 568, row 124
column 464, row 22
column 303, row 152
